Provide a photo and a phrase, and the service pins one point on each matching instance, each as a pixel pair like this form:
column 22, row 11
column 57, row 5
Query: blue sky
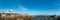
column 32, row 7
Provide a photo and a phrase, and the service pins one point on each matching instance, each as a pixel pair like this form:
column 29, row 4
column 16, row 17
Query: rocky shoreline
column 16, row 16
column 11, row 16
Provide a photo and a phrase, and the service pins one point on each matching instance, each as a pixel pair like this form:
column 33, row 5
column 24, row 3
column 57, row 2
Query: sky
column 32, row 7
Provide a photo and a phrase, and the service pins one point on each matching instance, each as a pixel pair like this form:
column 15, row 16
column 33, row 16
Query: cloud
column 30, row 12
column 23, row 8
column 37, row 12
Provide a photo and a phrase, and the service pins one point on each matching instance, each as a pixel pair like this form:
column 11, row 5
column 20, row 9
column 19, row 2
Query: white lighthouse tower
column 10, row 11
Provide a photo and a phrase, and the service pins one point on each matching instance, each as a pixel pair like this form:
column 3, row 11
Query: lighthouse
column 10, row 11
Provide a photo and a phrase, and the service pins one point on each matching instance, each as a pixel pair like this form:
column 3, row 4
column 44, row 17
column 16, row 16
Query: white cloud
column 23, row 8
column 37, row 12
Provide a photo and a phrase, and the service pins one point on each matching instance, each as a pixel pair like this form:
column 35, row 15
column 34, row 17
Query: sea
column 43, row 18
column 48, row 18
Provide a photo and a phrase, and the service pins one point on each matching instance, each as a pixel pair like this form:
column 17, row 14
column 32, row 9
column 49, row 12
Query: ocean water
column 42, row 18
